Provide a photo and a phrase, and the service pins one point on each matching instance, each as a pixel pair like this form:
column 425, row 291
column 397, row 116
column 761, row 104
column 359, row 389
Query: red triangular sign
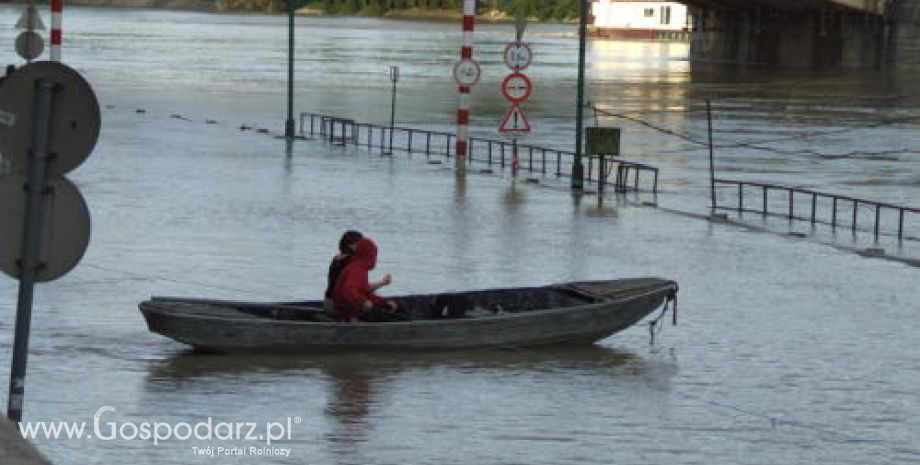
column 514, row 121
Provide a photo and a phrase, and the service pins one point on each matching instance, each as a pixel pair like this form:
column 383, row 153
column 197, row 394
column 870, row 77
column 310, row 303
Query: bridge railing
column 630, row 176
column 819, row 207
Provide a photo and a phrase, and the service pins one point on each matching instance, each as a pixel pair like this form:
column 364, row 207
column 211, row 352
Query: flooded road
column 787, row 351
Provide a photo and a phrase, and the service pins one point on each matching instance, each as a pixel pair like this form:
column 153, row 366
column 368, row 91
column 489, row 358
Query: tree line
column 540, row 10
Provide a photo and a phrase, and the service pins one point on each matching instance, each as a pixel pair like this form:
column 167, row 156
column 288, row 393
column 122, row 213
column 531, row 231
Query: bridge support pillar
column 905, row 16
column 826, row 38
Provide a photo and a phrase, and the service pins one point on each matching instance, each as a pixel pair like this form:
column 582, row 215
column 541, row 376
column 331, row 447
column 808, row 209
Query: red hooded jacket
column 352, row 288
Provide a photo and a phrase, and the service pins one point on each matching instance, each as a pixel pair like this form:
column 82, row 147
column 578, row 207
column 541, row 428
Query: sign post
column 466, row 73
column 48, row 109
column 30, row 247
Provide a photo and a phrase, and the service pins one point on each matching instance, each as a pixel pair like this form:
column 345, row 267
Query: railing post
column 410, row 131
column 382, row 133
column 590, row 166
column 878, row 215
column 900, row 224
column 558, row 163
column 855, row 206
column 427, row 143
column 636, row 185
column 655, row 185
column 448, row 147
column 530, row 162
column 543, row 170
column 502, row 145
column 834, row 214
column 766, row 196
column 791, row 206
column 740, row 197
column 814, row 207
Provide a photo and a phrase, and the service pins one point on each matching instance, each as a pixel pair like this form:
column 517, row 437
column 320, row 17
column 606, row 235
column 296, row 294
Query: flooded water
column 787, row 351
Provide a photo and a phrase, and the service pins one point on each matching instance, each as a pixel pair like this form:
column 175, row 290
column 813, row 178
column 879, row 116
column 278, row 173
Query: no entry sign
column 517, row 88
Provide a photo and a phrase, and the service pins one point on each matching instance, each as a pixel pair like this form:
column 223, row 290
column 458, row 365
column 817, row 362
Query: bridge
column 808, row 33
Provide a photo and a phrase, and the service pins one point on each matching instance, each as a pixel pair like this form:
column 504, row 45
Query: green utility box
column 602, row 141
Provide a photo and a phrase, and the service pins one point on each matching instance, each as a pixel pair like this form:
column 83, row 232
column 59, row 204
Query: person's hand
column 387, row 279
column 392, row 305
column 367, row 305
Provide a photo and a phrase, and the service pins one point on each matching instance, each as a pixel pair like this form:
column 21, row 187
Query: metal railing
column 630, row 176
column 837, row 204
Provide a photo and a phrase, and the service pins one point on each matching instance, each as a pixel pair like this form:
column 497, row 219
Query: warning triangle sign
column 514, row 121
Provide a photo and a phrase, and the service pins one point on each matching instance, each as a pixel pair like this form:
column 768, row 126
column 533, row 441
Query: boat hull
column 616, row 307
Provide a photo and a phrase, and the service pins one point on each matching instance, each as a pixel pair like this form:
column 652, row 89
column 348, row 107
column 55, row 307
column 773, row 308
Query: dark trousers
column 383, row 314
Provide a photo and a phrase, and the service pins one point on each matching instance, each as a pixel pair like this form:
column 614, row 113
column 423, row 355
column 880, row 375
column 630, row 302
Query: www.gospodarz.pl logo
column 105, row 427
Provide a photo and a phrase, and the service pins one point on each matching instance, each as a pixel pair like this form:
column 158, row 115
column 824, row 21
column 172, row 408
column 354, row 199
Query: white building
column 640, row 20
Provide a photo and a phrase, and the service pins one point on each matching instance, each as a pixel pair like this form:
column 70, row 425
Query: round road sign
column 29, row 45
column 65, row 227
column 518, row 56
column 466, row 72
column 74, row 122
column 516, row 87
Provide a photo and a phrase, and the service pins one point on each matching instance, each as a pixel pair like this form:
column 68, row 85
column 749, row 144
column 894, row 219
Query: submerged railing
column 630, row 176
column 843, row 210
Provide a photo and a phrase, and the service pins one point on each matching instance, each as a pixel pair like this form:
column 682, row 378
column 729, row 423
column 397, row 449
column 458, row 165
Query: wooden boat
column 571, row 313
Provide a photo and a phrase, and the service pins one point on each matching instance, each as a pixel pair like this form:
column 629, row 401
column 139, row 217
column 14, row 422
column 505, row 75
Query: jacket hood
column 366, row 253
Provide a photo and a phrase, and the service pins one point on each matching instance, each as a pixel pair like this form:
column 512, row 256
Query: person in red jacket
column 353, row 294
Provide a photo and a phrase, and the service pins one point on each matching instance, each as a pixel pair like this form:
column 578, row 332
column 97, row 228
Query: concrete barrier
column 14, row 450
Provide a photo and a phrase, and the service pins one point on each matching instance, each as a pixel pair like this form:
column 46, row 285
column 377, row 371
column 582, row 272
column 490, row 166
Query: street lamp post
column 289, row 124
column 578, row 170
column 394, row 76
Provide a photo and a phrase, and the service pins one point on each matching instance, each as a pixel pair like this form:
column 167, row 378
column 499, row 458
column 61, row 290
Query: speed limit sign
column 518, row 56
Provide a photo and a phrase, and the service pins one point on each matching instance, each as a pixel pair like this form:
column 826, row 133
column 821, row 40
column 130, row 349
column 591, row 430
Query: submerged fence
column 630, row 176
column 817, row 207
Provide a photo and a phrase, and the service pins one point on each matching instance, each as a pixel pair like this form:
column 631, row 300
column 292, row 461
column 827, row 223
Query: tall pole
column 578, row 170
column 30, row 247
column 289, row 124
column 463, row 101
column 57, row 32
column 712, row 164
column 394, row 76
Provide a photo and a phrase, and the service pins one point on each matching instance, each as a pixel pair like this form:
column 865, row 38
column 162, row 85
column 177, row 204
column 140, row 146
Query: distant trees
column 254, row 6
column 541, row 10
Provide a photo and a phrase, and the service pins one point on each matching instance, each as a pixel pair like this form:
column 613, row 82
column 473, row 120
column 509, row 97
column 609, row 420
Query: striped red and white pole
column 463, row 102
column 57, row 15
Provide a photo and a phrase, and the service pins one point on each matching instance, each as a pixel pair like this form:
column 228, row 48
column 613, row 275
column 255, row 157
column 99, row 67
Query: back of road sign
column 65, row 227
column 74, row 124
column 602, row 141
column 29, row 45
column 30, row 20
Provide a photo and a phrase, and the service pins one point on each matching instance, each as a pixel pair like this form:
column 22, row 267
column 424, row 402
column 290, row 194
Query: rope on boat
column 670, row 302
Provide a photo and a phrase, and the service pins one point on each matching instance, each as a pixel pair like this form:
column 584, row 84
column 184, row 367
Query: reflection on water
column 359, row 388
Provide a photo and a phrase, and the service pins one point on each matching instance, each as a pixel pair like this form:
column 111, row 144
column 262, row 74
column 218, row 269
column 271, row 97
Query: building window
column 649, row 12
column 665, row 15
